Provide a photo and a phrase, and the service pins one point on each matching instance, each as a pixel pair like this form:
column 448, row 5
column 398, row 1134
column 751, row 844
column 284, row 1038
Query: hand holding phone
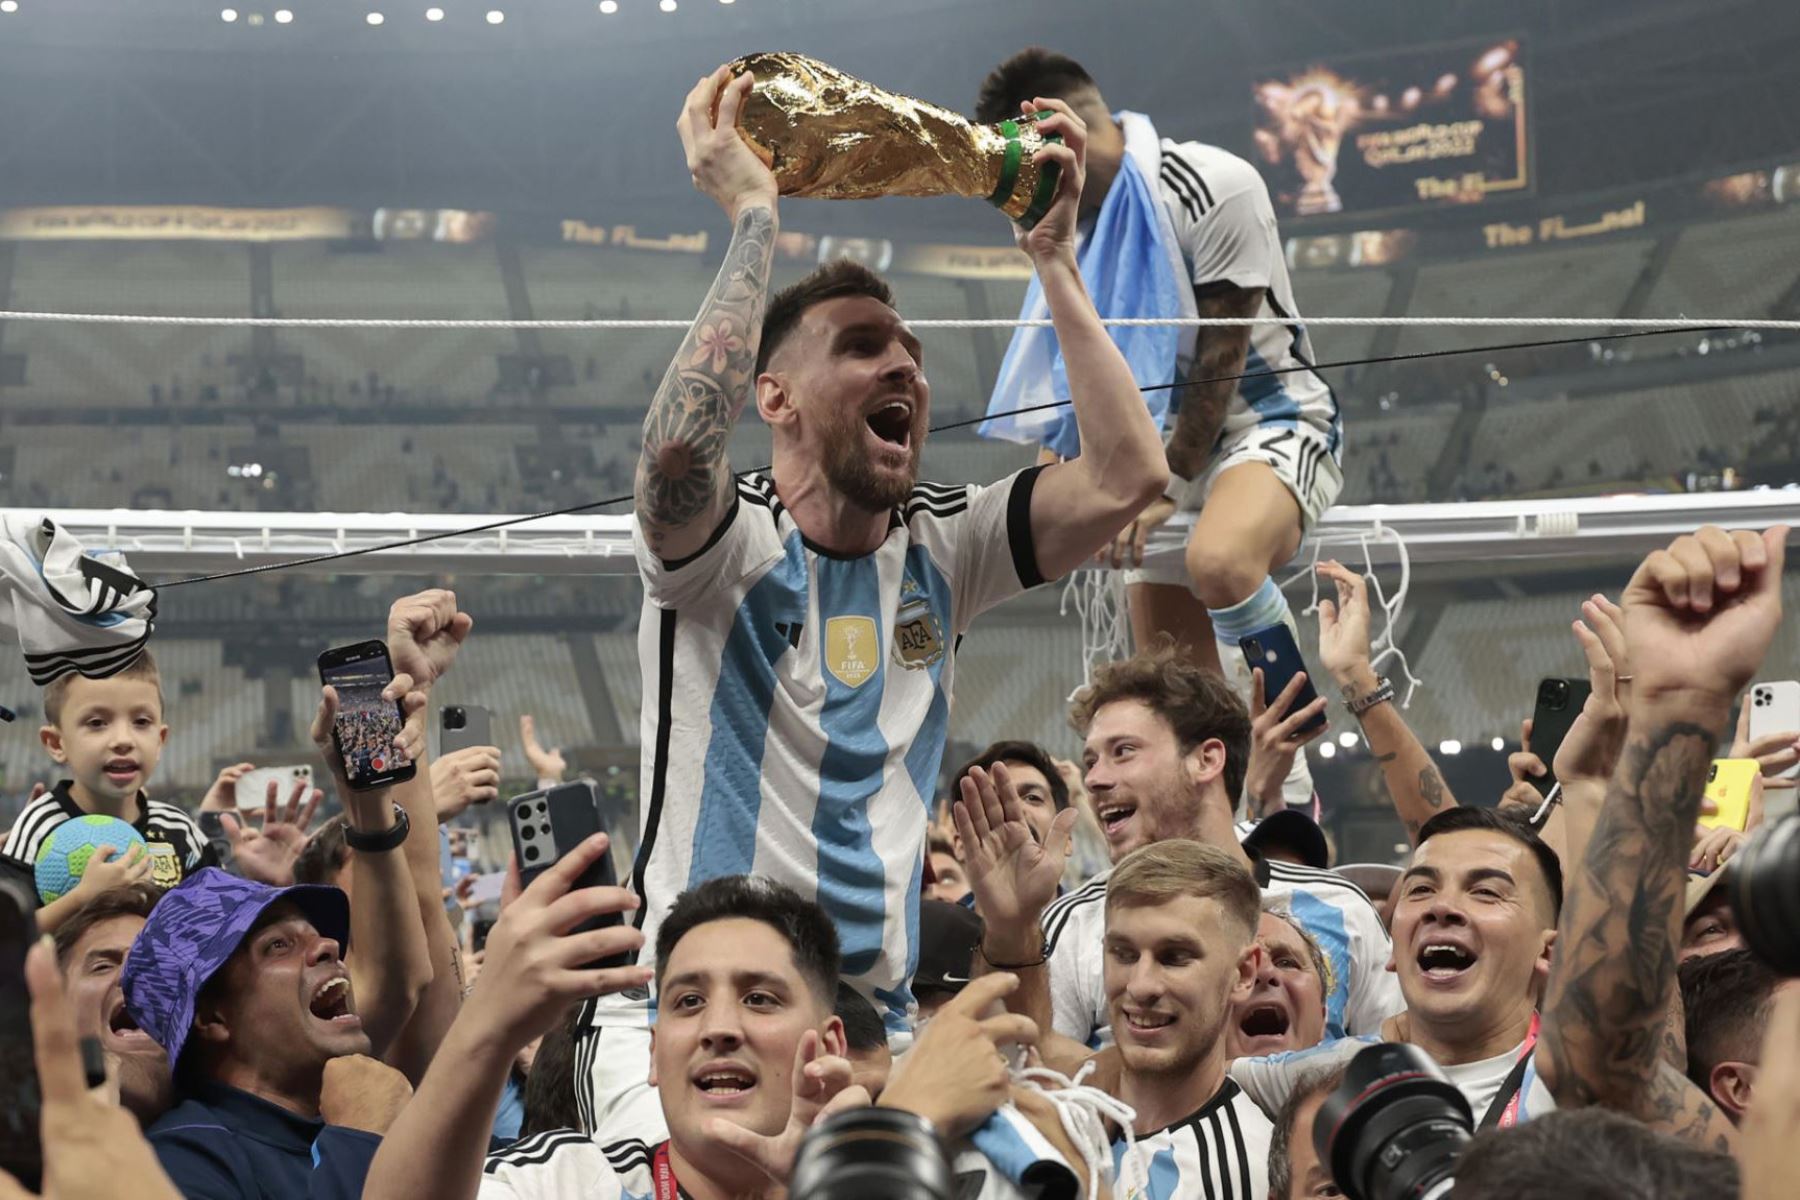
column 464, row 725
column 552, row 823
column 1559, row 702
column 1729, row 782
column 1770, row 732
column 367, row 723
column 1275, row 653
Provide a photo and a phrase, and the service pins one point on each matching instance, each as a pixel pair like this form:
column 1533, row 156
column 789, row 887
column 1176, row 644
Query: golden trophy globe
column 831, row 136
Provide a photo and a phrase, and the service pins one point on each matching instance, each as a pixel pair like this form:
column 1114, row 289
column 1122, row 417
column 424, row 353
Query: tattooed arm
column 1220, row 354
column 1413, row 781
column 1698, row 619
column 683, row 486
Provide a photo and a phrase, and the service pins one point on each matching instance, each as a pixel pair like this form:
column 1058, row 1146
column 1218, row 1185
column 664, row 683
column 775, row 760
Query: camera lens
column 872, row 1154
column 1763, row 885
column 1712, row 773
column 455, row 718
column 531, row 854
column 1394, row 1128
column 526, row 833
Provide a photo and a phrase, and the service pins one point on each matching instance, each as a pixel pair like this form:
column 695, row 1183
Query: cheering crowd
column 798, row 943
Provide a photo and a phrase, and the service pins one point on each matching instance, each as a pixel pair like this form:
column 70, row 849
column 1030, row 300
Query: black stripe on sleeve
column 659, row 771
column 1243, row 1156
column 1188, row 171
column 1018, row 528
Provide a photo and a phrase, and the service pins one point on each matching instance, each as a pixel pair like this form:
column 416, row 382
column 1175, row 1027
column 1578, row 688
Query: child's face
column 110, row 736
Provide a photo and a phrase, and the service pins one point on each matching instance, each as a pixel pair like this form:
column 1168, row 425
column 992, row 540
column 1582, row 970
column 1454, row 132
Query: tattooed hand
column 1700, row 615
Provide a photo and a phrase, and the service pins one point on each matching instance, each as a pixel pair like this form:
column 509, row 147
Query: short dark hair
column 839, row 277
column 1321, row 1082
column 1197, row 703
column 1029, row 753
column 1032, row 72
column 550, row 1084
column 1591, row 1154
column 1727, row 998
column 806, row 927
column 937, row 843
column 128, row 900
column 56, row 692
column 324, row 854
column 863, row 1028
column 1467, row 817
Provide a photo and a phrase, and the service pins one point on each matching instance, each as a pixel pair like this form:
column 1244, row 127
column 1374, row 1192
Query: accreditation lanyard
column 664, row 1174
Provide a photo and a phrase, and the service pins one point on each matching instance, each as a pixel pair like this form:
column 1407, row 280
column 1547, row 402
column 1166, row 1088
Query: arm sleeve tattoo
column 1221, row 352
column 682, row 474
column 1613, row 981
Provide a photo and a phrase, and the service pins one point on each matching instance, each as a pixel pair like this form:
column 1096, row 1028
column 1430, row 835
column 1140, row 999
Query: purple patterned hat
column 191, row 933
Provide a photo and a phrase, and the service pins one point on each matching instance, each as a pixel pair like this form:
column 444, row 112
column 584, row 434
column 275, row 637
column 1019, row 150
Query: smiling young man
column 1167, row 743
column 800, row 625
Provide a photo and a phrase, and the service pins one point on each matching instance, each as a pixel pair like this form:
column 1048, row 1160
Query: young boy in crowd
column 109, row 735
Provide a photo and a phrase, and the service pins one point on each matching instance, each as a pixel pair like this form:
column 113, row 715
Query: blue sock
column 1265, row 608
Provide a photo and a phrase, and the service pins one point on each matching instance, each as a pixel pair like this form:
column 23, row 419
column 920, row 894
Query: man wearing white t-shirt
column 800, row 626
column 1167, row 743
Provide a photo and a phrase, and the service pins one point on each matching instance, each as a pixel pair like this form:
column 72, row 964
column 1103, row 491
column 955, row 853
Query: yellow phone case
column 1728, row 785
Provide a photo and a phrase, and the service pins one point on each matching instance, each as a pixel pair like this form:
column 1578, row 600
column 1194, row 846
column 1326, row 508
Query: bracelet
column 377, row 843
column 1383, row 693
column 1042, row 958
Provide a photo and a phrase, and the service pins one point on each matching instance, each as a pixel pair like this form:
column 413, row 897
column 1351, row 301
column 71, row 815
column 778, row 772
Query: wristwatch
column 376, row 843
column 1384, row 692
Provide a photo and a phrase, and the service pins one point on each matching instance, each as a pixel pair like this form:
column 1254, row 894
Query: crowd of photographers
column 1590, row 996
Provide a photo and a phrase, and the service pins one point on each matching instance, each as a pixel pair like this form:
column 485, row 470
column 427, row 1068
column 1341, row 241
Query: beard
column 850, row 472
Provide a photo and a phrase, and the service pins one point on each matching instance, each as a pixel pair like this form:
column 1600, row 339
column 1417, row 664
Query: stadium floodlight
column 1327, row 750
column 228, row 15
column 495, row 16
column 1498, row 744
column 12, row 6
column 1450, row 746
column 667, row 5
column 284, row 16
column 725, row 1
column 1346, row 739
column 609, row 7
column 434, row 14
column 374, row 18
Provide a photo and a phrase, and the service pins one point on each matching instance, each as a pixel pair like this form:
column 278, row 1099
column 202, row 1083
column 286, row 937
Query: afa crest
column 918, row 637
column 851, row 653
column 165, row 865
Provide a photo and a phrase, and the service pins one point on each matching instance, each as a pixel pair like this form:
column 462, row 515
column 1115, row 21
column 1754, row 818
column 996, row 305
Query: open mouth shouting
column 122, row 1033
column 121, row 772
column 1263, row 1028
column 331, row 1003
column 892, row 425
column 724, row 1083
column 1115, row 817
column 1445, row 962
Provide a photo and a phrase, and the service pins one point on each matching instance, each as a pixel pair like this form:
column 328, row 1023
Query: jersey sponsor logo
column 918, row 638
column 850, row 651
column 165, row 865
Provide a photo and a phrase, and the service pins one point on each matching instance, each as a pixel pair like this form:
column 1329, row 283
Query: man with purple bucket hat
column 245, row 986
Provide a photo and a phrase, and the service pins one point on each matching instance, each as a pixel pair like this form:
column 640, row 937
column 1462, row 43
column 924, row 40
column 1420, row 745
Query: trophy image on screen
column 828, row 135
column 1311, row 118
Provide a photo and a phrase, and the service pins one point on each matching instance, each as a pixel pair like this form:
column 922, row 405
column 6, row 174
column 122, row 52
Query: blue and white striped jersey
column 796, row 704
column 1335, row 911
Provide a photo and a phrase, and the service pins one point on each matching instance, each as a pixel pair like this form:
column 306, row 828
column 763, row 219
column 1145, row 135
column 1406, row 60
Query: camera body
column 1763, row 885
column 1394, row 1128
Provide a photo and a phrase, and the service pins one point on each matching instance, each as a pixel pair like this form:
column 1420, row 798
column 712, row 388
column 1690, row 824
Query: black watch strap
column 376, row 843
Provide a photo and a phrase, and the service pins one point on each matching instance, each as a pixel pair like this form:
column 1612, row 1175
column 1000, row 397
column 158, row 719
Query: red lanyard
column 1509, row 1116
column 664, row 1174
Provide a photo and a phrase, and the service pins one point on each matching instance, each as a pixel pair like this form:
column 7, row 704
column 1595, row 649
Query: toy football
column 65, row 854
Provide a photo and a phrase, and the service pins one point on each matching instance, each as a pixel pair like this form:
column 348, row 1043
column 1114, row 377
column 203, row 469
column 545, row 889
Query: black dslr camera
column 1763, row 885
column 1394, row 1128
column 872, row 1154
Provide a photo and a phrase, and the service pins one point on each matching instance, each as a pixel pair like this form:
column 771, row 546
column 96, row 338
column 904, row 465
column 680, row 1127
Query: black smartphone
column 1277, row 655
column 366, row 724
column 1559, row 702
column 463, row 725
column 20, row 1152
column 546, row 825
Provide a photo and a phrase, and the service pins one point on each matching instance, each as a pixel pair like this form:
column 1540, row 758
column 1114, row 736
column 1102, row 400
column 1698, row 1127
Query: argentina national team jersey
column 796, row 704
column 1219, row 1153
column 1225, row 223
column 1338, row 914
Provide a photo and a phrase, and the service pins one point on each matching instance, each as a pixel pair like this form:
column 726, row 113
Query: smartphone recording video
column 366, row 724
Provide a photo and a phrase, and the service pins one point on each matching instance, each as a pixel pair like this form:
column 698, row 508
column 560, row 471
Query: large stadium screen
column 1420, row 127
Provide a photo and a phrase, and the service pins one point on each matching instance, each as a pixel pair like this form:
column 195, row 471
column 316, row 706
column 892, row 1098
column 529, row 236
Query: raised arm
column 683, row 484
column 1413, row 780
column 1698, row 619
column 1219, row 357
column 1077, row 506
